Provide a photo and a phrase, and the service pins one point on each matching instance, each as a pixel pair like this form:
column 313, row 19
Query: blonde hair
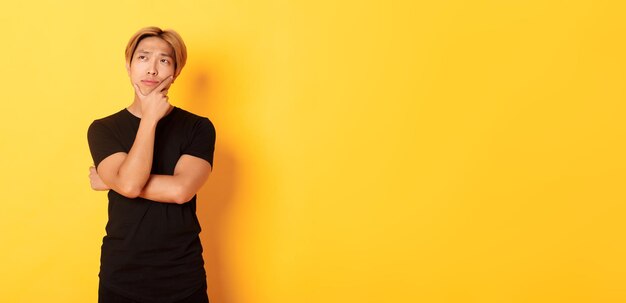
column 169, row 35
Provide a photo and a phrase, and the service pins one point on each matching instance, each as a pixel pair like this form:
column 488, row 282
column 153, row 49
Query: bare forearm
column 134, row 172
column 164, row 188
column 189, row 175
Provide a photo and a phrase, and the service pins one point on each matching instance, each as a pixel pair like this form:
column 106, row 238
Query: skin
column 129, row 173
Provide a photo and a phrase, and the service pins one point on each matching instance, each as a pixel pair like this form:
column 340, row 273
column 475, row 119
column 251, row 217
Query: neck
column 135, row 108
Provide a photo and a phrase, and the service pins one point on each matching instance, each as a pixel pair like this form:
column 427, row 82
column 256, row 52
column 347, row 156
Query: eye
column 141, row 57
column 165, row 61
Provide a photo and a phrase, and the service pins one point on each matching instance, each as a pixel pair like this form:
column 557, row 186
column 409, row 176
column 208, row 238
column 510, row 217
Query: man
column 153, row 157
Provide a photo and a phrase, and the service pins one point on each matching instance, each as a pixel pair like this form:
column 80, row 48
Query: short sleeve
column 202, row 141
column 102, row 142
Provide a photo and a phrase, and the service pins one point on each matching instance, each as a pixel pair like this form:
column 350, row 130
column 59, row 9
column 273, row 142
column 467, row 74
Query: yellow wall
column 369, row 151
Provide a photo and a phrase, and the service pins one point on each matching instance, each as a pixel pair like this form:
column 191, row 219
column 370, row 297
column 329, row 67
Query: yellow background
column 367, row 151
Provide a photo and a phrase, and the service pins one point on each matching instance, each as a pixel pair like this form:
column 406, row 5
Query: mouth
column 150, row 82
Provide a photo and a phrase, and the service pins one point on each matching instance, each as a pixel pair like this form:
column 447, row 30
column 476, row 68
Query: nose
column 152, row 70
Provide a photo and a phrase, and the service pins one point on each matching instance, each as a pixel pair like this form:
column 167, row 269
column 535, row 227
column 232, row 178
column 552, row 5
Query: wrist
column 149, row 121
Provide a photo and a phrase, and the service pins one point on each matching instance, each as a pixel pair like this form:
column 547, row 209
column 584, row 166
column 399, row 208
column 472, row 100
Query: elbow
column 183, row 195
column 131, row 192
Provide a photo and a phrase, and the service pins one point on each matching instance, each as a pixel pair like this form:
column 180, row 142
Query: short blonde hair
column 169, row 35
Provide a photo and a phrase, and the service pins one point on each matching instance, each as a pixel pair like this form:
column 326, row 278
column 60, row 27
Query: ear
column 128, row 69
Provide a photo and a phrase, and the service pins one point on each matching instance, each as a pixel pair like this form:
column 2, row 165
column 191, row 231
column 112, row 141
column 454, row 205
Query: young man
column 152, row 157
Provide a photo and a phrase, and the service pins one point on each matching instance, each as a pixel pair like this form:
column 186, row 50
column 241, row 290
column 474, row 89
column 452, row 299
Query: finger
column 137, row 90
column 164, row 84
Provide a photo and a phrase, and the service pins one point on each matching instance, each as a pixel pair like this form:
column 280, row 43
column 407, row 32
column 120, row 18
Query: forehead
column 154, row 45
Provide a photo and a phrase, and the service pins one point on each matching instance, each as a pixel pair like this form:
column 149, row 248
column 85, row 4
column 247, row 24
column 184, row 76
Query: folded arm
column 190, row 174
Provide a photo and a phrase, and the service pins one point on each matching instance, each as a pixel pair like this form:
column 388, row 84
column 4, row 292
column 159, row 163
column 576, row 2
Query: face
column 152, row 62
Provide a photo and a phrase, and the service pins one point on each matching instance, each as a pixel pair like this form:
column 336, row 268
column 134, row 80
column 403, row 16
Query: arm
column 128, row 173
column 190, row 174
column 95, row 180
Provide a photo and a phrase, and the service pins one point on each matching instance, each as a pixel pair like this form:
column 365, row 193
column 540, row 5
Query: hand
column 155, row 105
column 96, row 182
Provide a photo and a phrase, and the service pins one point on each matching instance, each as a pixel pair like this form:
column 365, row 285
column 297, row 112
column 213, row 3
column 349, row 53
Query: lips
column 150, row 82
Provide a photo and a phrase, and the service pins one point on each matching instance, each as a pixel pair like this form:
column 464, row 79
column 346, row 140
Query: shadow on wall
column 214, row 202
column 215, row 198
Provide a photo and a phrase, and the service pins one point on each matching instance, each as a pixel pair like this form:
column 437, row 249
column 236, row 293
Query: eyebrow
column 147, row 52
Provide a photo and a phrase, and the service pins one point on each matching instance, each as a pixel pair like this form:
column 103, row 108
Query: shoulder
column 189, row 115
column 108, row 120
column 194, row 120
column 104, row 124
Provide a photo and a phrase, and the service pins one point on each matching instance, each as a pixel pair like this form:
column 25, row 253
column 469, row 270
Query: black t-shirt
column 152, row 250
